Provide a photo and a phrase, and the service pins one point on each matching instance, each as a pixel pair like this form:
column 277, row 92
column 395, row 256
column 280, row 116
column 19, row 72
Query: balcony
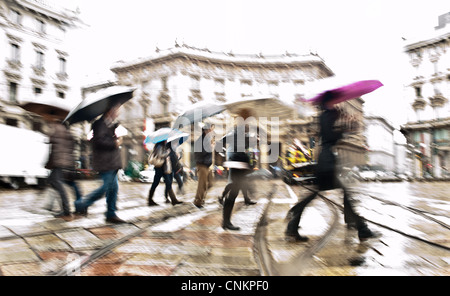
column 14, row 64
column 419, row 104
column 62, row 76
column 38, row 70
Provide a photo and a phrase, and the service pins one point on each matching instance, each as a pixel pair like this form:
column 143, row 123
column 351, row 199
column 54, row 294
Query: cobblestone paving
column 175, row 240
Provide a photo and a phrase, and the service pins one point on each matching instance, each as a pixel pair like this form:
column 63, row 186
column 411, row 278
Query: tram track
column 270, row 267
column 407, row 208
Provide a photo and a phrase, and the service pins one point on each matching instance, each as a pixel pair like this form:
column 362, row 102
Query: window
column 37, row 90
column 15, row 52
column 16, row 17
column 164, row 83
column 13, row 92
column 40, row 26
column 37, row 126
column 11, row 122
column 418, row 91
column 61, row 94
column 62, row 65
column 39, row 59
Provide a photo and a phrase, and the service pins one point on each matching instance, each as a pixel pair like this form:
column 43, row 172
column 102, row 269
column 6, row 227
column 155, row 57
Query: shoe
column 115, row 220
column 366, row 233
column 229, row 226
column 250, row 202
column 199, row 206
column 177, row 202
column 295, row 237
column 151, row 203
column 65, row 217
column 82, row 213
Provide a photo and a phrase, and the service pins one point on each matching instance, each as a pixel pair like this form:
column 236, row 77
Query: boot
column 151, row 203
column 174, row 199
column 364, row 233
column 227, row 209
column 249, row 202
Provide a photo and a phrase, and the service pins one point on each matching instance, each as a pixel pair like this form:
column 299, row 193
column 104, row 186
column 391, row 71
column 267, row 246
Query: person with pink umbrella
column 326, row 171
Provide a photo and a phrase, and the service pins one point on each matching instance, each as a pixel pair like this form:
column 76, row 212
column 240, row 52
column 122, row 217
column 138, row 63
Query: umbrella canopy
column 99, row 102
column 163, row 134
column 348, row 92
column 197, row 112
column 50, row 110
column 261, row 107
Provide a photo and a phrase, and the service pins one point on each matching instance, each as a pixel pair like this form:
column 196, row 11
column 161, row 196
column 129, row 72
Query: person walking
column 245, row 191
column 238, row 161
column 61, row 159
column 106, row 159
column 177, row 168
column 326, row 174
column 203, row 158
column 164, row 165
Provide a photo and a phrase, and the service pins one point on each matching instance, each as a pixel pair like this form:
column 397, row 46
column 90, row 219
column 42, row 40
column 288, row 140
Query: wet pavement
column 336, row 250
column 184, row 240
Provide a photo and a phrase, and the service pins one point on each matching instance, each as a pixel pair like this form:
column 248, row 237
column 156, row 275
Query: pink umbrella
column 348, row 92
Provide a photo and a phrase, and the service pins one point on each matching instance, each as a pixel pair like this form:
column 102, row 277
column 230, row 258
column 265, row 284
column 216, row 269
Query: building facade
column 33, row 58
column 172, row 80
column 380, row 142
column 428, row 128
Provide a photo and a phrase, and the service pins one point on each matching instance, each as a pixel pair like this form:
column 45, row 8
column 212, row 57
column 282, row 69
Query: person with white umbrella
column 165, row 165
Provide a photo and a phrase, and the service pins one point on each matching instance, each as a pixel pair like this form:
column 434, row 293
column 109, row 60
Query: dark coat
column 326, row 165
column 237, row 145
column 203, row 156
column 61, row 154
column 105, row 152
column 176, row 165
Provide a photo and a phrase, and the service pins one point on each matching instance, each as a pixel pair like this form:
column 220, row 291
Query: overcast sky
column 356, row 38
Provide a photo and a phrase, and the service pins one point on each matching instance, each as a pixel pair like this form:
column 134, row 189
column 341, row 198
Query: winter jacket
column 326, row 163
column 105, row 152
column 203, row 157
column 62, row 146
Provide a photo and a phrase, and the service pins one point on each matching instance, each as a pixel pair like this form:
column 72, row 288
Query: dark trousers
column 238, row 182
column 168, row 179
column 350, row 215
column 56, row 180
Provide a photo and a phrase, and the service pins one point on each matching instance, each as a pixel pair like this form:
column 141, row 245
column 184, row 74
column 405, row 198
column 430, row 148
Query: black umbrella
column 99, row 102
column 196, row 113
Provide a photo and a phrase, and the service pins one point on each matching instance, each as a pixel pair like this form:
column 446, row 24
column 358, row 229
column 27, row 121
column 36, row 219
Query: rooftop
column 223, row 58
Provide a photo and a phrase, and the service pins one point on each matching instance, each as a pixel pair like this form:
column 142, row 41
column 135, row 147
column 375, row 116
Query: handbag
column 155, row 160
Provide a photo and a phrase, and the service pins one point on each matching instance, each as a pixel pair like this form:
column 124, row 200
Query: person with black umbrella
column 107, row 161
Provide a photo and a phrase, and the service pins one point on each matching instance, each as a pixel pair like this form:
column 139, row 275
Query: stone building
column 33, row 58
column 428, row 128
column 380, row 142
column 172, row 80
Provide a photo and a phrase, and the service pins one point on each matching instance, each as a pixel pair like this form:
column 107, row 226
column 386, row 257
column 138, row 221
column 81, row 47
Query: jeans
column 110, row 187
column 168, row 179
